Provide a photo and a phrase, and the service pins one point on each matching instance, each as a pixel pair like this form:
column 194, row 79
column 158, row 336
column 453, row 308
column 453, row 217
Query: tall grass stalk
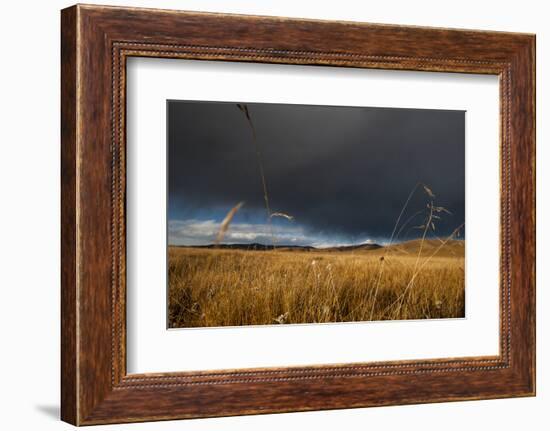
column 400, row 300
column 383, row 260
column 244, row 109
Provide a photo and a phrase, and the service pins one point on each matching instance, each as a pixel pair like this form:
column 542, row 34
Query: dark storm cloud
column 338, row 170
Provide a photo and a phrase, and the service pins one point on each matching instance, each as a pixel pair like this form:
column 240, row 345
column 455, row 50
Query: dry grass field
column 224, row 287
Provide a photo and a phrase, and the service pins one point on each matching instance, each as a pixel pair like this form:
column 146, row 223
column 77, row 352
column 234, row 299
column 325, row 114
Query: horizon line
column 284, row 245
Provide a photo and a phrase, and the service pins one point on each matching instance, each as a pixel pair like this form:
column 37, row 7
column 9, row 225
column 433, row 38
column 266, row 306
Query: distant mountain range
column 427, row 247
column 266, row 247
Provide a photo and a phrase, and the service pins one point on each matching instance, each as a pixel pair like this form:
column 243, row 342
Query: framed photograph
column 266, row 215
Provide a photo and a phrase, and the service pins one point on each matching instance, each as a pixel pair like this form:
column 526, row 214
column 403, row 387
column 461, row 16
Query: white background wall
column 29, row 214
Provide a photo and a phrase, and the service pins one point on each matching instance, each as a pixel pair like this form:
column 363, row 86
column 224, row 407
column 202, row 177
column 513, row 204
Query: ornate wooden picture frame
column 96, row 41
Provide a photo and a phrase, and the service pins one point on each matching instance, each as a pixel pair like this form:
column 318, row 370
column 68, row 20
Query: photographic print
column 305, row 214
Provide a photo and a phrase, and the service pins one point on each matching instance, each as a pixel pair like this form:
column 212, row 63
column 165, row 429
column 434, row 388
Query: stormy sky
column 342, row 173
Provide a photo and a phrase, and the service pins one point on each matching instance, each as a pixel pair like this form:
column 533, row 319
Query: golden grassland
column 220, row 287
